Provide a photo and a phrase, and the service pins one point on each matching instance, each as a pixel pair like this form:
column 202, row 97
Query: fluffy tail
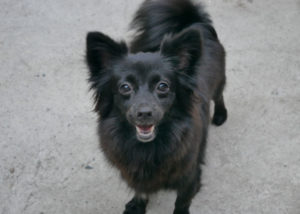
column 156, row 18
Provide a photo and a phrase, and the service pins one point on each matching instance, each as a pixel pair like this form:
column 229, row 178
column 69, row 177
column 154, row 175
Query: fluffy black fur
column 153, row 101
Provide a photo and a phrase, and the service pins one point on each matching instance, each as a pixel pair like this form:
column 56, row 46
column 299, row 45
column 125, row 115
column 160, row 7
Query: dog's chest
column 149, row 178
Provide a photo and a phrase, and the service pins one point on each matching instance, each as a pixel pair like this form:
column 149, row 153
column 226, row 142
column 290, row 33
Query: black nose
column 144, row 113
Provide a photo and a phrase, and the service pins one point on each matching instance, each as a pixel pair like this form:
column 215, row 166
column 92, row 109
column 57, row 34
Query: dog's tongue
column 145, row 128
column 145, row 133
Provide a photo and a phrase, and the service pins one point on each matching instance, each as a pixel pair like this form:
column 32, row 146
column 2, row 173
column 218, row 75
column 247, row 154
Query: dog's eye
column 125, row 89
column 162, row 87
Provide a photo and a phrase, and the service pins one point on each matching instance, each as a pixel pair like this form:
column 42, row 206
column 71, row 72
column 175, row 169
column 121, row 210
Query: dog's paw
column 181, row 211
column 219, row 117
column 135, row 207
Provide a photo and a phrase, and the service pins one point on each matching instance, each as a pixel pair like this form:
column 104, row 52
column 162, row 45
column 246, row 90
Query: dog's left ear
column 183, row 50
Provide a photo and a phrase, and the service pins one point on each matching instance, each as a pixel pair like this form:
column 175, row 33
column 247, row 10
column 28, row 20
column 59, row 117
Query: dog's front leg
column 137, row 205
column 186, row 193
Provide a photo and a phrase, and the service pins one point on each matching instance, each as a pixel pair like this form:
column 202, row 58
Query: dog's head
column 143, row 87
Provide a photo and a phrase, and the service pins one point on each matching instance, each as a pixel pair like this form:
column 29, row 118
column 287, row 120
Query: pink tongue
column 145, row 128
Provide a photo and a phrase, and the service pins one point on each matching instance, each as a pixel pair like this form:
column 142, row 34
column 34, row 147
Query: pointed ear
column 183, row 50
column 101, row 50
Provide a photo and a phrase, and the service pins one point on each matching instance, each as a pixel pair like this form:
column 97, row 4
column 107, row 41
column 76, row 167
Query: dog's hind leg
column 186, row 193
column 220, row 113
column 137, row 205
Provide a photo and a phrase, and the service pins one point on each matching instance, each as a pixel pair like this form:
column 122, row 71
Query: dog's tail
column 156, row 18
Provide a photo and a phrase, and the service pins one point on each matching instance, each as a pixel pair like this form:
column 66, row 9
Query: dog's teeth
column 144, row 133
column 152, row 129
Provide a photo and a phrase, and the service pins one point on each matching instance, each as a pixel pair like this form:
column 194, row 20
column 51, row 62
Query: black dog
column 153, row 101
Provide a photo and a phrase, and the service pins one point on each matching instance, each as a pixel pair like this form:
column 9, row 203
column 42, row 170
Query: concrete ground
column 49, row 157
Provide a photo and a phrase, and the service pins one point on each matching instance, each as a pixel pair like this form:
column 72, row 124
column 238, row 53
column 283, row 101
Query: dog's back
column 156, row 18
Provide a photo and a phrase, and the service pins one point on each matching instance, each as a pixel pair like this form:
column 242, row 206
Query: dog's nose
column 144, row 113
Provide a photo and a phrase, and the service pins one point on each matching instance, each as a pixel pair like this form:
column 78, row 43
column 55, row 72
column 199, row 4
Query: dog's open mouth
column 145, row 133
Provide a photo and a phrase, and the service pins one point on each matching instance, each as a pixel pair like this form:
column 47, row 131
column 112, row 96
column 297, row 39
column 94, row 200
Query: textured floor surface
column 49, row 157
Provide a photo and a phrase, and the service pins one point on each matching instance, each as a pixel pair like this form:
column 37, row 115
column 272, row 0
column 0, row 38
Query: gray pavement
column 49, row 157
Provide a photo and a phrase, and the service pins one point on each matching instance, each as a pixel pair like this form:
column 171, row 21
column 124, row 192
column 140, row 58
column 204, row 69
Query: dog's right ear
column 101, row 51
